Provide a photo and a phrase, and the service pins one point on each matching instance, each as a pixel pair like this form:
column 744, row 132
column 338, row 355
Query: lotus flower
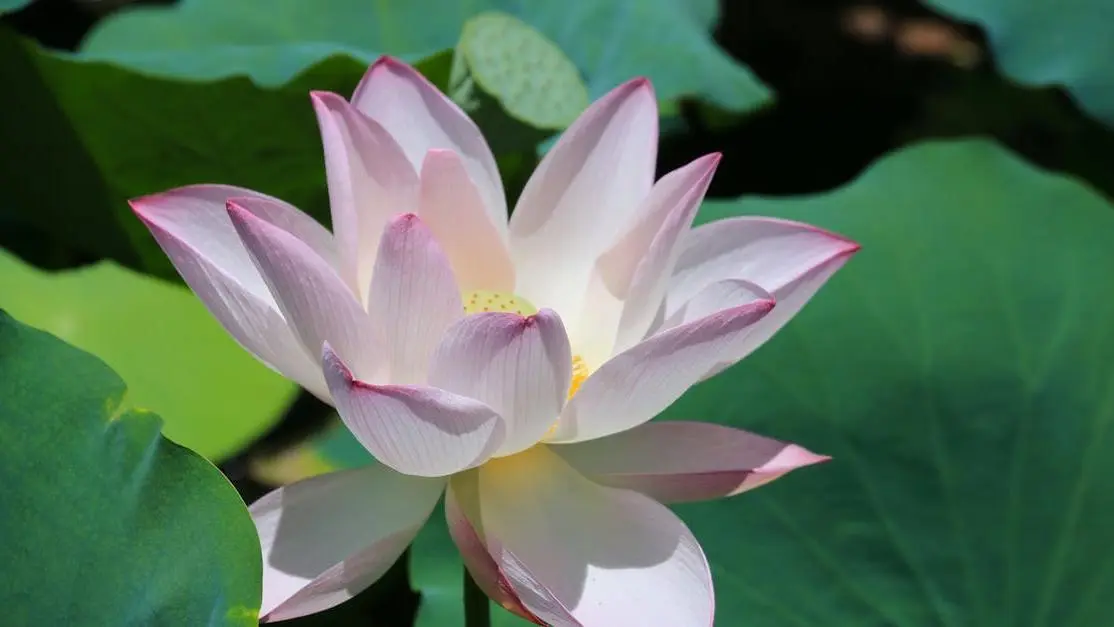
column 511, row 365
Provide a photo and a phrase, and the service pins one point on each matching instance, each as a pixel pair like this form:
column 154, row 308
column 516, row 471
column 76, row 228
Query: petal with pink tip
column 192, row 226
column 483, row 570
column 451, row 205
column 327, row 538
column 416, row 430
column 311, row 295
column 635, row 385
column 583, row 194
column 369, row 180
column 413, row 297
column 519, row 366
column 291, row 220
column 421, row 118
column 571, row 552
column 629, row 279
column 790, row 260
column 674, row 462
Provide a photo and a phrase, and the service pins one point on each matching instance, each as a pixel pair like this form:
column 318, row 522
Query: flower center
column 479, row 301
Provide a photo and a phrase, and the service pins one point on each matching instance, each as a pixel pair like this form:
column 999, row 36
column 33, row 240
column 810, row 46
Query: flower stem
column 477, row 610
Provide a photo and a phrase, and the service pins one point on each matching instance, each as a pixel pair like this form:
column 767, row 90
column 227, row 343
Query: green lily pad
column 527, row 74
column 1048, row 43
column 273, row 40
column 960, row 371
column 214, row 396
column 105, row 522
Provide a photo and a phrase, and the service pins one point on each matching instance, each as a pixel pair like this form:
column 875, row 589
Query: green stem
column 477, row 610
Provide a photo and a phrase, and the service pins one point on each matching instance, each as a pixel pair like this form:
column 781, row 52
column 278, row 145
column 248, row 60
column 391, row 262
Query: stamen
column 480, row 301
column 579, row 374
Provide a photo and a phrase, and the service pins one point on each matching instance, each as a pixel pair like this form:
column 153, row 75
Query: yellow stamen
column 480, row 301
column 579, row 374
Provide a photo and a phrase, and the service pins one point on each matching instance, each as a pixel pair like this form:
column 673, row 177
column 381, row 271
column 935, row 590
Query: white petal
column 451, row 205
column 192, row 226
column 674, row 462
column 421, row 118
column 519, row 366
column 635, row 385
column 291, row 220
column 416, row 430
column 491, row 577
column 413, row 297
column 369, row 180
column 327, row 538
column 576, row 553
column 311, row 295
column 629, row 280
column 582, row 196
column 788, row 259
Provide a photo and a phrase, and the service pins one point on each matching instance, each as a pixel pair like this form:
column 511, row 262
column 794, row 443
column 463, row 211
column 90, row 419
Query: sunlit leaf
column 178, row 361
column 273, row 40
column 105, row 522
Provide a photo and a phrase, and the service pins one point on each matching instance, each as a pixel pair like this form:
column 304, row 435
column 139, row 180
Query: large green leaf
column 960, row 370
column 273, row 40
column 102, row 520
column 179, row 362
column 1046, row 42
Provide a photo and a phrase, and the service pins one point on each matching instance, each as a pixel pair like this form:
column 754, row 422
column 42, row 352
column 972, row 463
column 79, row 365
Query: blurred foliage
column 178, row 361
column 96, row 134
column 104, row 521
column 958, row 370
column 516, row 84
column 274, row 40
column 1050, row 43
column 12, row 5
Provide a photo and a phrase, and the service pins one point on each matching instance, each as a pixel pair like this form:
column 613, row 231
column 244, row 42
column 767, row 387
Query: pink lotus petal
column 312, row 297
column 413, row 297
column 572, row 552
column 790, row 260
column 291, row 220
column 421, row 118
column 674, row 462
column 192, row 227
column 635, row 271
column 369, row 179
column 453, row 209
column 635, row 385
column 582, row 196
column 327, row 538
column 487, row 574
column 416, row 430
column 520, row 366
